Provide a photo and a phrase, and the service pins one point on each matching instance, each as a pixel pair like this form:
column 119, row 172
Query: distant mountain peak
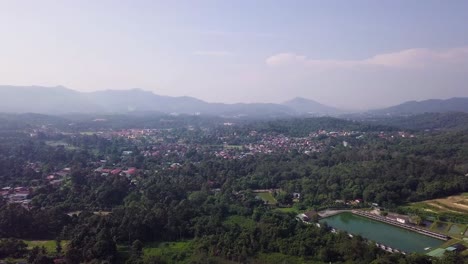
column 305, row 105
column 300, row 99
column 61, row 100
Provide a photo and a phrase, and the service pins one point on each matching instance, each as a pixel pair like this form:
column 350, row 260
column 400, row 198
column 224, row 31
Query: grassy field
column 288, row 210
column 170, row 252
column 267, row 197
column 457, row 229
column 278, row 258
column 232, row 146
column 88, row 133
column 56, row 143
column 48, row 244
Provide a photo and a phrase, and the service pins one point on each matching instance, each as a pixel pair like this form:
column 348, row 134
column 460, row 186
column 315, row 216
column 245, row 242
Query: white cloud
column 213, row 53
column 285, row 58
column 411, row 59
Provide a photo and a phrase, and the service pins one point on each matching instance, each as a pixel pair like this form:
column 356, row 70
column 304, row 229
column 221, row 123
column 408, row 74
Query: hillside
column 430, row 121
column 456, row 104
column 303, row 105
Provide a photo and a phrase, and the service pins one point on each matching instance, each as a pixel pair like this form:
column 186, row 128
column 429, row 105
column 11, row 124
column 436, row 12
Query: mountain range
column 456, row 104
column 61, row 100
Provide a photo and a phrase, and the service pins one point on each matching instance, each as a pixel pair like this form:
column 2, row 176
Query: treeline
column 427, row 121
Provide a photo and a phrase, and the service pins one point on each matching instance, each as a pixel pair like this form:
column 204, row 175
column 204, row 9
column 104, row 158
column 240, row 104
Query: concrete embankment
column 330, row 212
column 401, row 225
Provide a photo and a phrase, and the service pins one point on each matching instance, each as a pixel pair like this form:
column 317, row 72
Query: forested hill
column 303, row 126
column 10, row 121
column 287, row 126
column 456, row 104
column 427, row 121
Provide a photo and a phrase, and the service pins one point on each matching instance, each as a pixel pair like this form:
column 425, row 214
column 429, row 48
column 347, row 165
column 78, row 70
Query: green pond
column 386, row 234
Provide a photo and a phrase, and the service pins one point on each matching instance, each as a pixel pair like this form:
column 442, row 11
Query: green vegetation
column 288, row 210
column 449, row 209
column 278, row 258
column 49, row 245
column 242, row 221
column 60, row 143
column 440, row 227
column 169, row 252
column 456, row 229
column 175, row 195
column 267, row 197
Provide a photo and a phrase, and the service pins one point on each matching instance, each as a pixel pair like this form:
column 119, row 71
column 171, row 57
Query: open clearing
column 50, row 245
column 56, row 143
column 451, row 204
column 169, row 252
column 267, row 197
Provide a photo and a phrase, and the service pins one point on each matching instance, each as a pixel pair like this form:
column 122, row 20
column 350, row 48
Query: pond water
column 386, row 234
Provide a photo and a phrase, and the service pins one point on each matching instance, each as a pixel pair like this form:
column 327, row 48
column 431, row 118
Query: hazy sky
column 351, row 54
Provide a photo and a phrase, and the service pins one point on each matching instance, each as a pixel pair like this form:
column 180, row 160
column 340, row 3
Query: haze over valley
column 61, row 100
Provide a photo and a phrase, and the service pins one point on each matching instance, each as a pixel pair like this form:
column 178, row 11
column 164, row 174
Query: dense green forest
column 183, row 189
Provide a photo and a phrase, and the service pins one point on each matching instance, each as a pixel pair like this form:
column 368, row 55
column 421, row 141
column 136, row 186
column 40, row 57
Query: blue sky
column 350, row 54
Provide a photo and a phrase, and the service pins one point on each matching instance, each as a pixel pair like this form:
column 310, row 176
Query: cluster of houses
column 272, row 144
column 57, row 177
column 165, row 143
column 17, row 195
column 166, row 149
column 353, row 202
column 133, row 133
column 282, row 143
column 392, row 135
column 269, row 143
column 21, row 194
column 129, row 172
column 343, row 133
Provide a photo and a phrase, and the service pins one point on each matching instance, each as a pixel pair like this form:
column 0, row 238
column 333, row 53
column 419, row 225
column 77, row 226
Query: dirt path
column 455, row 203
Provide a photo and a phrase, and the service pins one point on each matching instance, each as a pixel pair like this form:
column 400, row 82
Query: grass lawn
column 287, row 210
column 457, row 229
column 170, row 252
column 56, row 143
column 267, row 197
column 88, row 133
column 48, row 244
column 233, row 146
column 278, row 258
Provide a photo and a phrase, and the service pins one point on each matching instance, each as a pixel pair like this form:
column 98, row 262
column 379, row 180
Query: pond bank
column 405, row 226
column 392, row 236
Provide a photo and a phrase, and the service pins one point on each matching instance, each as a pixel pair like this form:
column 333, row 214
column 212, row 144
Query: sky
column 347, row 54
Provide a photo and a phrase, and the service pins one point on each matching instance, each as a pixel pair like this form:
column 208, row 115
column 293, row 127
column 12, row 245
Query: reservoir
column 386, row 234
